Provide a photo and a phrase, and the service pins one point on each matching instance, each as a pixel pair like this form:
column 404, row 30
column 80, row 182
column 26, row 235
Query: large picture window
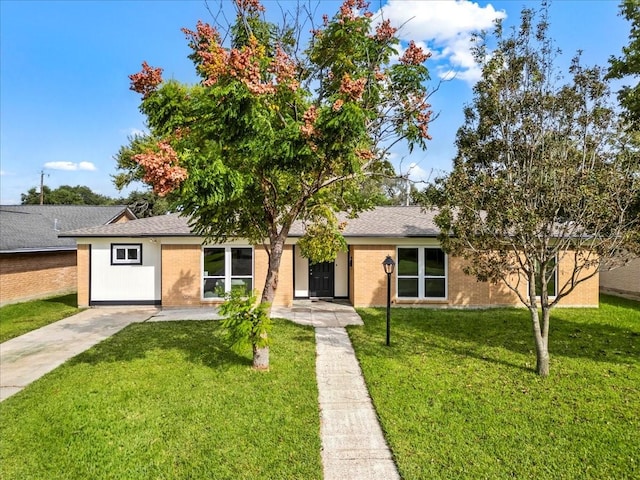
column 422, row 273
column 225, row 268
column 126, row 254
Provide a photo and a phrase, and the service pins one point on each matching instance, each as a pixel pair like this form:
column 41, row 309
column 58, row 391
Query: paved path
column 28, row 357
column 353, row 446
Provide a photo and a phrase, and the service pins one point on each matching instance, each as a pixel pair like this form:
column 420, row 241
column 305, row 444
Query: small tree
column 247, row 324
column 540, row 177
column 274, row 132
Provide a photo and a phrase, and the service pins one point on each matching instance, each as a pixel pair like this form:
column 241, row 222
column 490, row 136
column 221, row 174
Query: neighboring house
column 158, row 261
column 623, row 280
column 34, row 261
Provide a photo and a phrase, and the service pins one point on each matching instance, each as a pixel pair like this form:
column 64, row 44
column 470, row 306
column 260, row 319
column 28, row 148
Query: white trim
column 422, row 276
column 126, row 248
column 228, row 274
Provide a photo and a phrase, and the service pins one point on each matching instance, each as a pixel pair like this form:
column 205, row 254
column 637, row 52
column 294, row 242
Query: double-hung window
column 422, row 273
column 225, row 268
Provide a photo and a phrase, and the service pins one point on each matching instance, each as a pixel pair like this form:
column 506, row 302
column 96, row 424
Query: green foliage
column 628, row 65
column 247, row 321
column 128, row 170
column 65, row 195
column 321, row 242
column 466, row 379
column 146, row 204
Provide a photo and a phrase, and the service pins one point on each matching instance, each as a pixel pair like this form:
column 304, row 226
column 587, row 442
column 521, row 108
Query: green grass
column 19, row 318
column 169, row 401
column 458, row 396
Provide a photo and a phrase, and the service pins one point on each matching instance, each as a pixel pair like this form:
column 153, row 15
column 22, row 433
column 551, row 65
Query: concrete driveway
column 26, row 358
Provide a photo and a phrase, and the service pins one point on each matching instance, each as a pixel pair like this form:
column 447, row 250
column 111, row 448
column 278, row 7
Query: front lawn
column 169, row 401
column 19, row 318
column 458, row 396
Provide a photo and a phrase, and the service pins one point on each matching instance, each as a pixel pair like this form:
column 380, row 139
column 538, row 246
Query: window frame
column 228, row 275
column 555, row 281
column 422, row 275
column 126, row 246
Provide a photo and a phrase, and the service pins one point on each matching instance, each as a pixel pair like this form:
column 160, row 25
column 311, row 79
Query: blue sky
column 66, row 107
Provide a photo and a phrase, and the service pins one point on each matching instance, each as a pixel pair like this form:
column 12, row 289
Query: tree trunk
column 541, row 338
column 261, row 355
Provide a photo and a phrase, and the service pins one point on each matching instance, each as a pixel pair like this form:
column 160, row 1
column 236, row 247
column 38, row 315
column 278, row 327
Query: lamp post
column 388, row 265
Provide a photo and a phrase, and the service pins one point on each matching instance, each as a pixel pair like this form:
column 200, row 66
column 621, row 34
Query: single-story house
column 624, row 280
column 159, row 261
column 34, row 261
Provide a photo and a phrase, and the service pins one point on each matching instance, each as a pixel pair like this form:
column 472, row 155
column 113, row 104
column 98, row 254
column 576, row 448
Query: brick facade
column 27, row 276
column 83, row 273
column 181, row 280
column 182, row 275
column 367, row 284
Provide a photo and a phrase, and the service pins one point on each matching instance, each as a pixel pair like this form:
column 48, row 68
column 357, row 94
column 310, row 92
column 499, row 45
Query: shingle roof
column 381, row 222
column 170, row 225
column 30, row 228
column 406, row 221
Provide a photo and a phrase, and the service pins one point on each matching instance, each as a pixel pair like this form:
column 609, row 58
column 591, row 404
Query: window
column 225, row 268
column 422, row 273
column 551, row 284
column 126, row 254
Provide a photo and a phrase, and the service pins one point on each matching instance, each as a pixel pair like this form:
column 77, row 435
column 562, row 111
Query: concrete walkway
column 28, row 357
column 353, row 445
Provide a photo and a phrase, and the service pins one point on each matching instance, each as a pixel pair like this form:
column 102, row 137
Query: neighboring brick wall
column 622, row 280
column 83, row 272
column 36, row 275
column 181, row 275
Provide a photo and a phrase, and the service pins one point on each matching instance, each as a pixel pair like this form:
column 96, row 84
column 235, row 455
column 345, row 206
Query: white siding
column 301, row 268
column 122, row 283
column 341, row 275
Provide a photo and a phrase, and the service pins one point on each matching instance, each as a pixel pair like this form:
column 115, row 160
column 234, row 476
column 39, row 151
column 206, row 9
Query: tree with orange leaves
column 277, row 131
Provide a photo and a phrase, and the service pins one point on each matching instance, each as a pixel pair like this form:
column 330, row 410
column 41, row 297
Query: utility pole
column 41, row 187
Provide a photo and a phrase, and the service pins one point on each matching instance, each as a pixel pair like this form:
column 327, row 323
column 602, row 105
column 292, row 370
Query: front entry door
column 321, row 279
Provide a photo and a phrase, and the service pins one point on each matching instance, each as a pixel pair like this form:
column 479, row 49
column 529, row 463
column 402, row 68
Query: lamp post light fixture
column 389, row 266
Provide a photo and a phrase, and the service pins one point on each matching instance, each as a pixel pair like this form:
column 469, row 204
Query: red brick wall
column 36, row 275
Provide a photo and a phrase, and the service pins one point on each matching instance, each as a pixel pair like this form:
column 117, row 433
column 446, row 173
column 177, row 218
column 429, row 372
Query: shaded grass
column 458, row 396
column 169, row 401
column 19, row 318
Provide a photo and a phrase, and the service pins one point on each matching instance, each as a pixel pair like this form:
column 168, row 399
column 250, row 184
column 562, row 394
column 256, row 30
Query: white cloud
column 70, row 166
column 87, row 166
column 445, row 25
column 2, row 173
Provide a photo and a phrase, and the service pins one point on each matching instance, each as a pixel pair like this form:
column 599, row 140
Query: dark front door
column 321, row 279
